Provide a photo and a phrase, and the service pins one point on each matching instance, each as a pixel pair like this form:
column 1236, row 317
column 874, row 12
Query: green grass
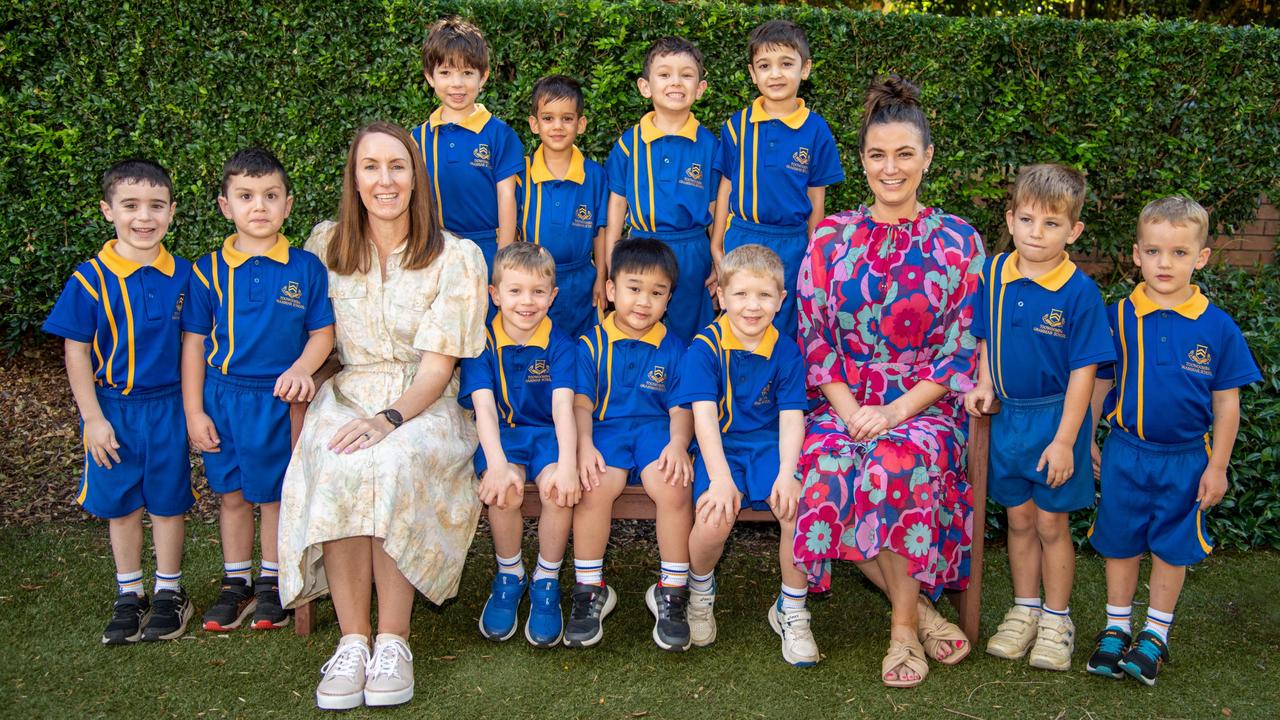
column 56, row 588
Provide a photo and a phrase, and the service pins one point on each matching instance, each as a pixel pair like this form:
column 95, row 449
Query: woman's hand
column 360, row 434
column 871, row 421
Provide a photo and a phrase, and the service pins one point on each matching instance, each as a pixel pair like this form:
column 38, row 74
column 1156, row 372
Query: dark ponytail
column 892, row 99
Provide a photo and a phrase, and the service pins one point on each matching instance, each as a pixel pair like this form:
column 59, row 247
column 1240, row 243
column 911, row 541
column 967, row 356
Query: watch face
column 394, row 417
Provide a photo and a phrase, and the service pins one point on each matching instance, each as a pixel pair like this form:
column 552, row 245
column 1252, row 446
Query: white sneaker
column 390, row 672
column 342, row 686
column 702, row 620
column 798, row 646
column 1015, row 634
column 1055, row 641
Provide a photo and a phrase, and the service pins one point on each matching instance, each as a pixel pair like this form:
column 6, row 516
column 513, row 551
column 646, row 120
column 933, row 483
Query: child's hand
column 675, row 466
column 591, row 466
column 1213, row 485
column 1060, row 460
column 598, row 298
column 713, row 279
column 1096, row 455
column 202, row 433
column 785, row 498
column 870, row 421
column 502, row 485
column 721, row 501
column 293, row 385
column 100, row 441
column 979, row 400
column 562, row 487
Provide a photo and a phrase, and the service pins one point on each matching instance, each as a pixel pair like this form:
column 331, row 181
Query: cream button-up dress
column 416, row 489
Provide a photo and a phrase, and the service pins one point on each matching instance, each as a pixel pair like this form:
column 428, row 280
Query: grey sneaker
column 702, row 619
column 389, row 672
column 342, row 687
column 589, row 605
column 669, row 606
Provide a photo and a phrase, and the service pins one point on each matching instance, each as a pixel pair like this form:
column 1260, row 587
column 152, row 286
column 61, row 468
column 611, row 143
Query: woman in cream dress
column 380, row 491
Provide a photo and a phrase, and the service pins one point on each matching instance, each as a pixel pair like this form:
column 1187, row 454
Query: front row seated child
column 256, row 326
column 521, row 388
column 1182, row 362
column 1042, row 329
column 562, row 203
column 119, row 314
column 630, row 430
column 746, row 384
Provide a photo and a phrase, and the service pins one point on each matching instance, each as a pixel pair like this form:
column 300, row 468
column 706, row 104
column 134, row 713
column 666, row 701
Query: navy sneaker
column 498, row 619
column 669, row 606
column 235, row 603
column 589, row 605
column 170, row 611
column 545, row 626
column 267, row 612
column 1108, row 650
column 128, row 616
column 1145, row 658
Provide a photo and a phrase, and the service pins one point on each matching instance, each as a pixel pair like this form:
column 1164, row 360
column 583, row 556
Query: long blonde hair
column 349, row 251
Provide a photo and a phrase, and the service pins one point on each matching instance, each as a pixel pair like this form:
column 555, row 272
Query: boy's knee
column 1022, row 519
column 234, row 501
column 1052, row 527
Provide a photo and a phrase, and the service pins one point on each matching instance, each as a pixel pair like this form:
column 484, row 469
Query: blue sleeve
column 727, row 157
column 508, row 155
column 713, row 184
column 1089, row 333
column 319, row 308
column 564, row 362
column 476, row 374
column 698, row 374
column 197, row 311
column 791, row 389
column 601, row 204
column 1107, row 371
column 674, row 388
column 585, row 377
column 1236, row 367
column 415, row 132
column 617, row 168
column 979, row 326
column 826, row 169
column 75, row 314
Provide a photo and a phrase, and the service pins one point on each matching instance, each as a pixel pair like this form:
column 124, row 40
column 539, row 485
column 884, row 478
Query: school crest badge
column 1198, row 357
column 177, row 306
column 480, row 156
column 1052, row 324
column 693, row 176
column 582, row 217
column 539, row 371
column 656, row 379
column 290, row 294
column 799, row 160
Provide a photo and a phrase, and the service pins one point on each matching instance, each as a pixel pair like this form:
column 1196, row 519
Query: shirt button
column 450, row 144
column 257, row 280
column 666, row 160
column 1164, row 339
column 255, row 261
column 557, row 204
column 1019, row 303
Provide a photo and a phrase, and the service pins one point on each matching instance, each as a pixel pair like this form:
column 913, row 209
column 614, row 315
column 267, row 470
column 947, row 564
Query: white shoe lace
column 701, row 606
column 345, row 661
column 386, row 659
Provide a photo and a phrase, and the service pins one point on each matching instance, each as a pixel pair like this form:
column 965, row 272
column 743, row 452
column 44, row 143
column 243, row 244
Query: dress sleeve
column 318, row 241
column 453, row 324
column 955, row 360
column 818, row 341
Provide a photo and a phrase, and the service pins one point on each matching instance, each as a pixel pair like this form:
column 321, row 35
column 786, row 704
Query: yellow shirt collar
column 234, row 258
column 541, row 334
column 474, row 122
column 1052, row 280
column 730, row 341
column 650, row 132
column 1191, row 308
column 540, row 173
column 653, row 337
column 124, row 268
column 792, row 120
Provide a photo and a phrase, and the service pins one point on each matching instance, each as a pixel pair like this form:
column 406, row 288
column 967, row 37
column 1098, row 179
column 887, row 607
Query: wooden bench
column 634, row 504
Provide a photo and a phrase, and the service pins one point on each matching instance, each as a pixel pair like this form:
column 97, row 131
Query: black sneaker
column 589, row 605
column 233, row 605
column 670, row 620
column 127, row 617
column 1144, row 660
column 267, row 613
column 1108, row 650
column 170, row 611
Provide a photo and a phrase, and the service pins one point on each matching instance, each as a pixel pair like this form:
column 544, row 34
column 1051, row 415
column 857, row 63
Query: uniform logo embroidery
column 1052, row 323
column 1199, row 357
column 766, row 395
column 693, row 176
column 290, row 293
column 539, row 371
column 177, row 308
column 656, row 379
column 582, row 217
column 799, row 160
column 480, row 156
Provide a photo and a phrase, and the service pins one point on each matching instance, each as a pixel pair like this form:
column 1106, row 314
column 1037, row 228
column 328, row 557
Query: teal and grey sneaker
column 589, row 605
column 128, row 615
column 669, row 606
column 1108, row 650
column 1145, row 657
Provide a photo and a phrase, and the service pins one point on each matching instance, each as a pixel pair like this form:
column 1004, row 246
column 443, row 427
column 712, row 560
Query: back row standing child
column 120, row 315
column 471, row 156
column 256, row 326
column 663, row 179
column 776, row 160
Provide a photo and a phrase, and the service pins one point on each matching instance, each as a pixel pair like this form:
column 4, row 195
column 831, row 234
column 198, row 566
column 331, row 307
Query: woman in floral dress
column 380, row 491
column 886, row 300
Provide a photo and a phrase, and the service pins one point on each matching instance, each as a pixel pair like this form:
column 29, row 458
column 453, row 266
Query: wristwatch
column 393, row 416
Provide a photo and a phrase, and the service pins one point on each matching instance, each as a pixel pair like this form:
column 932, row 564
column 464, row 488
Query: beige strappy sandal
column 935, row 632
column 904, row 654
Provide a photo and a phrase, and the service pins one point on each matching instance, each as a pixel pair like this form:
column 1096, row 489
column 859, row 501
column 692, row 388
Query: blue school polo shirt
column 627, row 378
column 562, row 215
column 1038, row 330
column 749, row 387
column 1170, row 363
column 669, row 180
column 772, row 162
column 465, row 162
column 257, row 310
column 130, row 313
column 522, row 377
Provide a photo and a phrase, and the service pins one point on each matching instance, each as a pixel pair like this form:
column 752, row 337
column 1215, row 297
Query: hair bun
column 890, row 91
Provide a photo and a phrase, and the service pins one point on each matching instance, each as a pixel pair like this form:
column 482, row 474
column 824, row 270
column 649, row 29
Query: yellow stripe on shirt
column 231, row 317
column 111, row 321
column 1123, row 376
column 1142, row 361
column 128, row 317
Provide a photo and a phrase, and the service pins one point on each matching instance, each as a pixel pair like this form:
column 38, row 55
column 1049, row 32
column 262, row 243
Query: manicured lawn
column 56, row 588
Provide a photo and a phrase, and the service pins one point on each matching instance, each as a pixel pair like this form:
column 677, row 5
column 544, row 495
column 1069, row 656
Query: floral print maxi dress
column 882, row 308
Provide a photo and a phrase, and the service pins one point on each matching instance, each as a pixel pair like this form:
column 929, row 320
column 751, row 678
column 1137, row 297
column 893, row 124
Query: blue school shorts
column 753, row 462
column 790, row 244
column 1019, row 433
column 253, row 427
column 154, row 471
column 690, row 307
column 572, row 311
column 533, row 447
column 1149, row 500
column 631, row 443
